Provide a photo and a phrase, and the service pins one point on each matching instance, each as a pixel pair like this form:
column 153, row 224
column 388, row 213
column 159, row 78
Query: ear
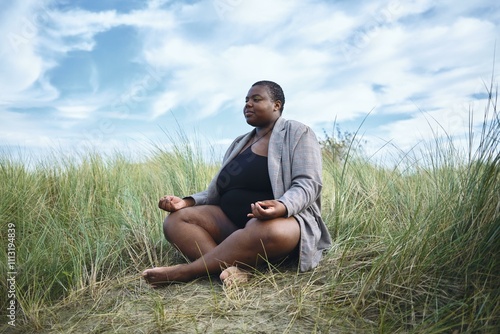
column 277, row 105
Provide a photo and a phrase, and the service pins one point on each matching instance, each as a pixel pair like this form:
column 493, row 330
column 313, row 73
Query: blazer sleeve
column 305, row 172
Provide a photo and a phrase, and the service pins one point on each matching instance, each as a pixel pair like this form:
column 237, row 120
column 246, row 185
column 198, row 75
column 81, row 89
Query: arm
column 305, row 172
column 301, row 174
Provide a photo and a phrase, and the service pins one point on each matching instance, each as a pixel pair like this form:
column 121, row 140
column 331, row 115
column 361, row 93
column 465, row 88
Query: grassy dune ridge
column 415, row 250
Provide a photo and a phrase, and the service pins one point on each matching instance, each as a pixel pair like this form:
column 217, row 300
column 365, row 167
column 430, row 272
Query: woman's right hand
column 173, row 203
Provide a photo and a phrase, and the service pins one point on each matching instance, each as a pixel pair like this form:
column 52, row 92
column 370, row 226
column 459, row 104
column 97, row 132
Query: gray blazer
column 294, row 162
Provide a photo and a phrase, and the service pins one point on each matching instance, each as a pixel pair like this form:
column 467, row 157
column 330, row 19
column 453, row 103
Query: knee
column 166, row 226
column 172, row 222
column 169, row 224
column 273, row 234
column 264, row 232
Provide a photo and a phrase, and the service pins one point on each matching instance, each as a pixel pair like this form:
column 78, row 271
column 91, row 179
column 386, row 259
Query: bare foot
column 234, row 275
column 162, row 275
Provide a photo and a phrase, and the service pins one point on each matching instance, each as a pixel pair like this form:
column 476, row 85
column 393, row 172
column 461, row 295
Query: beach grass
column 416, row 247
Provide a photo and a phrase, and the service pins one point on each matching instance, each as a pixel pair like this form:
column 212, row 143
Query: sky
column 124, row 76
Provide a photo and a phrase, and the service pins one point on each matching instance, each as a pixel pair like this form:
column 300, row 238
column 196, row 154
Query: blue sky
column 116, row 75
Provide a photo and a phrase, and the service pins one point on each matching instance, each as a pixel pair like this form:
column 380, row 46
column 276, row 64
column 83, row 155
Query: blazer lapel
column 276, row 143
column 238, row 146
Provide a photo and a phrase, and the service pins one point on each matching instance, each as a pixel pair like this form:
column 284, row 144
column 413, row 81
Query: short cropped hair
column 274, row 90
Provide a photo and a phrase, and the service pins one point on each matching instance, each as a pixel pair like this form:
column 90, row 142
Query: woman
column 263, row 205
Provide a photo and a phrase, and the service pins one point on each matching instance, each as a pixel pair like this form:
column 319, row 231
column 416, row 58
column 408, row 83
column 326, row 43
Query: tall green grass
column 415, row 250
column 83, row 221
column 424, row 246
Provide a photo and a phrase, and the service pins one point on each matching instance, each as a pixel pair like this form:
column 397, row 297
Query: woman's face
column 260, row 110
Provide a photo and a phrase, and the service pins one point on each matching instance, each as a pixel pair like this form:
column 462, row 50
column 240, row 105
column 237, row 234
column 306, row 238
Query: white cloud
column 341, row 104
column 327, row 27
column 335, row 60
column 165, row 103
column 38, row 35
column 391, row 55
column 255, row 13
column 76, row 111
column 86, row 24
column 21, row 66
column 431, row 125
column 24, row 130
column 433, row 61
column 176, row 52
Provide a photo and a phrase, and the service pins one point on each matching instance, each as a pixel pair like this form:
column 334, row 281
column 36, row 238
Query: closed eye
column 255, row 98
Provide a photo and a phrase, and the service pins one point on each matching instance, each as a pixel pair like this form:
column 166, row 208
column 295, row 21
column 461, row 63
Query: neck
column 261, row 134
column 263, row 131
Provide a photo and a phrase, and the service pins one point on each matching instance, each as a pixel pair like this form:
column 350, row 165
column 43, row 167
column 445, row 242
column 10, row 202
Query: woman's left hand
column 269, row 209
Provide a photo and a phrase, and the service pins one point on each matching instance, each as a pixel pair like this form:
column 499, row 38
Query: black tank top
column 243, row 181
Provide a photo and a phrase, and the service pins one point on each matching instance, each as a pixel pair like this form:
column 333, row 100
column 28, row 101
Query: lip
column 248, row 113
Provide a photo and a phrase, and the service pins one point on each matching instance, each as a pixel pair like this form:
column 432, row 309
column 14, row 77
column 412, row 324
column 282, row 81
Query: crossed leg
column 211, row 241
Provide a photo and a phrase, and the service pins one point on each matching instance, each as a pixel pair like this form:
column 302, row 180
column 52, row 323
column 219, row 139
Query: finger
column 268, row 212
column 259, row 211
column 164, row 205
column 253, row 211
column 262, row 208
column 265, row 204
